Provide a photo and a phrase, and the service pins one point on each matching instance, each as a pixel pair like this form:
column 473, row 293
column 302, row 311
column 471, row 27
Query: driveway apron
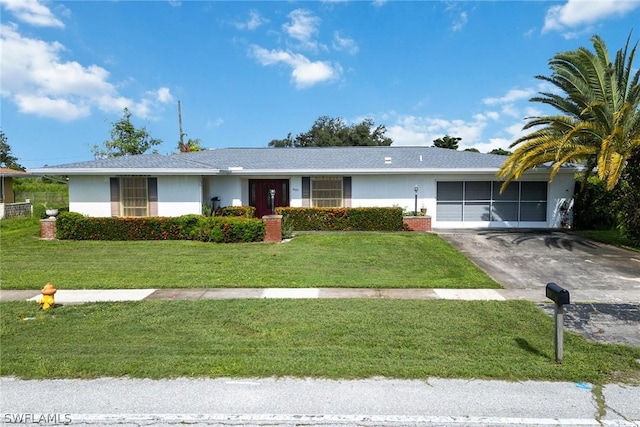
column 531, row 259
column 591, row 271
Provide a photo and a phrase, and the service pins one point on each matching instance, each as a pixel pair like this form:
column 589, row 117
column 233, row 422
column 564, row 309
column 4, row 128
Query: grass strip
column 352, row 260
column 612, row 237
column 411, row 339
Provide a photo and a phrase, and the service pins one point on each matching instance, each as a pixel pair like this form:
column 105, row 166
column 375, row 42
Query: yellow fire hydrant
column 47, row 301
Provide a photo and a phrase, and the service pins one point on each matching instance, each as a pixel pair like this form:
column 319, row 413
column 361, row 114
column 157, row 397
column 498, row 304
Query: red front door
column 260, row 195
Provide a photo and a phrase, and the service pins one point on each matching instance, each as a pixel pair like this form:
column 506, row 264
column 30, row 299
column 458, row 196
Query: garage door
column 481, row 201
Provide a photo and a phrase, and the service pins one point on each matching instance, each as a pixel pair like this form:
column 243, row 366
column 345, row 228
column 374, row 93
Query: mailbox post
column 561, row 297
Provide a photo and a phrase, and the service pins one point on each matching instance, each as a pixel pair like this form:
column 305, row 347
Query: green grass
column 612, row 237
column 353, row 260
column 302, row 338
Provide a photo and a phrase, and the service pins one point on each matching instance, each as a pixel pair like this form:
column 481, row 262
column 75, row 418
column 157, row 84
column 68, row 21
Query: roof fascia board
column 246, row 172
column 123, row 171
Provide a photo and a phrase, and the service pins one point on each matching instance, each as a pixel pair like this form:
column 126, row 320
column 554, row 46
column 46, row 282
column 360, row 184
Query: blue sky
column 249, row 72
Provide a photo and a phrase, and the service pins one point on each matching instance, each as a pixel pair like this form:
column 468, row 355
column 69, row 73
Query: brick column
column 273, row 228
column 417, row 223
column 48, row 229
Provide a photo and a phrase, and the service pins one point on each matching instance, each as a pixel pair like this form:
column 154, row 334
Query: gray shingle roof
column 290, row 160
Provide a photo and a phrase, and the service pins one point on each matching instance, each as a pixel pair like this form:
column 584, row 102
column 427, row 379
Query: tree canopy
column 189, row 146
column 126, row 139
column 330, row 132
column 6, row 158
column 500, row 152
column 450, row 142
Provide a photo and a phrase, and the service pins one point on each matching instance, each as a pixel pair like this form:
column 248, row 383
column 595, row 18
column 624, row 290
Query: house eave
column 276, row 172
column 376, row 171
column 122, row 171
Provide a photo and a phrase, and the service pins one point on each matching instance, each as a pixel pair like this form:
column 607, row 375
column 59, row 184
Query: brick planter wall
column 273, row 228
column 417, row 223
column 48, row 229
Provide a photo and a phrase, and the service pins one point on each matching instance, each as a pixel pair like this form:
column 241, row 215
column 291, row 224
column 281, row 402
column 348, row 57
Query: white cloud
column 413, row 130
column 35, row 77
column 344, row 44
column 255, row 20
column 164, row 95
column 511, row 96
column 217, row 122
column 460, row 22
column 175, row 3
column 50, row 107
column 379, row 3
column 32, row 12
column 584, row 12
column 304, row 72
column 303, row 27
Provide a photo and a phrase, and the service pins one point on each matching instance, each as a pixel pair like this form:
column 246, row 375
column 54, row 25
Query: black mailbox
column 557, row 294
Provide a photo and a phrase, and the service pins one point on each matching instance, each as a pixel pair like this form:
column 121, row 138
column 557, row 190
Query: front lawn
column 510, row 340
column 611, row 237
column 353, row 260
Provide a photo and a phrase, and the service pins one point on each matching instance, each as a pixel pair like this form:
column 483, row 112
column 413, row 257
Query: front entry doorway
column 260, row 196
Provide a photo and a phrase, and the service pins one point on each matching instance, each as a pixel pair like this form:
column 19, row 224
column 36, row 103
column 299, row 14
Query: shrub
column 74, row 226
column 346, row 219
column 595, row 208
column 230, row 230
column 630, row 200
column 287, row 227
column 239, row 211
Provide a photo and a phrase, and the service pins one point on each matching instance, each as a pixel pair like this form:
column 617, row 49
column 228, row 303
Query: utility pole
column 181, row 140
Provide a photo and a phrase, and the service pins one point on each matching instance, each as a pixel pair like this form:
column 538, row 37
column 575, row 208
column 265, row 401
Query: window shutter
column 152, row 191
column 114, row 183
column 346, row 191
column 306, row 191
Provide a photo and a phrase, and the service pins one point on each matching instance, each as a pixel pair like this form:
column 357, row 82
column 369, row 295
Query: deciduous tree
column 330, row 132
column 126, row 139
column 500, row 152
column 7, row 160
column 450, row 142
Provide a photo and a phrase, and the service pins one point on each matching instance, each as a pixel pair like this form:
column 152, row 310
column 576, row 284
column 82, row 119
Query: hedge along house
column 458, row 189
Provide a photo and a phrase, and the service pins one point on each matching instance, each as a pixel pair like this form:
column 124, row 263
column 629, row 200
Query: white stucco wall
column 560, row 193
column 372, row 191
column 232, row 190
column 180, row 195
column 177, row 195
column 90, row 195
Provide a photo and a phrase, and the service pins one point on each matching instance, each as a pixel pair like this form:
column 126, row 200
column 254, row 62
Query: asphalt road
column 317, row 402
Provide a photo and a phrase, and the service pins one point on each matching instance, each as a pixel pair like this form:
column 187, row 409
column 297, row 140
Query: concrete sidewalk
column 583, row 296
column 611, row 317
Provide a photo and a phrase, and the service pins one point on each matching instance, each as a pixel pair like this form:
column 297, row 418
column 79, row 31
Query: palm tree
column 599, row 120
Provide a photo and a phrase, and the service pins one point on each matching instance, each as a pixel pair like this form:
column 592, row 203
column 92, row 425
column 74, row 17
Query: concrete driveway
column 603, row 281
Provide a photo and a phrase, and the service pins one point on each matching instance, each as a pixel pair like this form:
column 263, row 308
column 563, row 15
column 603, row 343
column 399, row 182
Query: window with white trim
column 326, row 192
